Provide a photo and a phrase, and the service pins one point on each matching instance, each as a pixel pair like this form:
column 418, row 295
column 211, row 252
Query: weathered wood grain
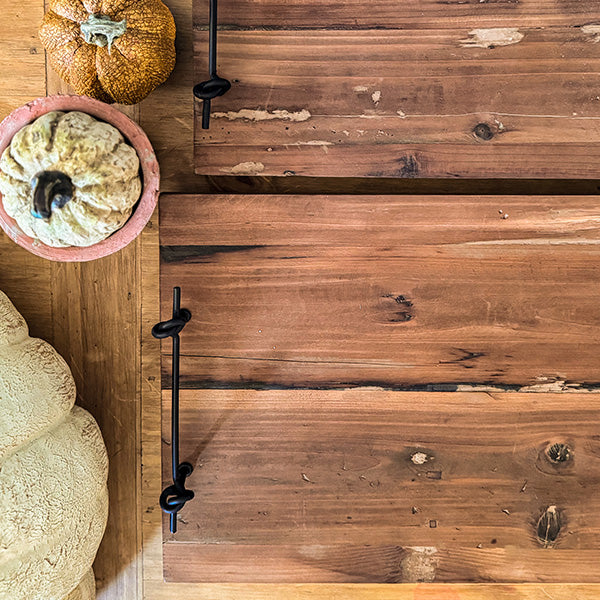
column 381, row 565
column 391, row 291
column 444, row 160
column 22, row 60
column 385, row 14
column 25, row 278
column 167, row 117
column 373, row 486
column 275, row 220
column 96, row 329
column 176, row 177
column 452, row 98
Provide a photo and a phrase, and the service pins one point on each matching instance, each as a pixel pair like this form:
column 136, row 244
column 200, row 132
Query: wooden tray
column 298, row 478
column 413, row 89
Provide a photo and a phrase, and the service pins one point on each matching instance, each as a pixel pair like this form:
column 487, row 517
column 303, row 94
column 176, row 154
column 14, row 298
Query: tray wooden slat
column 389, row 14
column 476, row 89
column 373, row 486
column 305, row 291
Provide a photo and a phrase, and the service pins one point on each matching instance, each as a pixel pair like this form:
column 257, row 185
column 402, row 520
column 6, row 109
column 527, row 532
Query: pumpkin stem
column 102, row 30
column 51, row 190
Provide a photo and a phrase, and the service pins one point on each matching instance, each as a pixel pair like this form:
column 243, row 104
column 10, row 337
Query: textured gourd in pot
column 69, row 180
column 53, row 469
column 112, row 50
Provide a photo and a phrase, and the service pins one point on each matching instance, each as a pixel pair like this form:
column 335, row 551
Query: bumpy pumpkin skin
column 138, row 61
column 53, row 471
column 86, row 590
column 102, row 166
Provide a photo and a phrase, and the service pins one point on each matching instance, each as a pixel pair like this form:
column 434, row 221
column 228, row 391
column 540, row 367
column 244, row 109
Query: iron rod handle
column 212, row 38
column 174, row 497
column 215, row 86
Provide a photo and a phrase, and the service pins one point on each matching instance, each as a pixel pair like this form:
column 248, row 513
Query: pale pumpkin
column 112, row 50
column 53, row 470
column 69, row 180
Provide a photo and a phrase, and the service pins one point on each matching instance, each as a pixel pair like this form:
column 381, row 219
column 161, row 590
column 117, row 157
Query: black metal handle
column 174, row 497
column 215, row 86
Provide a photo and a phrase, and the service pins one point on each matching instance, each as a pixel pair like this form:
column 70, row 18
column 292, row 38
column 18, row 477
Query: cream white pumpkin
column 69, row 180
column 53, row 471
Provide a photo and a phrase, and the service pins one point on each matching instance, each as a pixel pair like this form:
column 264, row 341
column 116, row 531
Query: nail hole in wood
column 558, row 453
column 483, row 131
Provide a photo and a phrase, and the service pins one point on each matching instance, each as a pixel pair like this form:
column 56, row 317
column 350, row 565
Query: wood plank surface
column 397, row 292
column 373, row 486
column 96, row 330
column 22, row 60
column 97, row 311
column 387, row 14
column 458, row 89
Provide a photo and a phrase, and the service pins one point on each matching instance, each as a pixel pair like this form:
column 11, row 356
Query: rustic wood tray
column 420, row 88
column 311, row 315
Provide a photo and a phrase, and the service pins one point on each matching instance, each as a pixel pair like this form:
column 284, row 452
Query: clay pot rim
column 134, row 135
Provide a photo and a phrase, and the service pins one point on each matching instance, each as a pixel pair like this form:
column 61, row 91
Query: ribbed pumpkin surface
column 125, row 70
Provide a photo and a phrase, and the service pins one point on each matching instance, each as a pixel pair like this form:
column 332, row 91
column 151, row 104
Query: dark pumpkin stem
column 51, row 190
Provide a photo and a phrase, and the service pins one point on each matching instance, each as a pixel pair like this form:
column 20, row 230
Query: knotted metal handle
column 174, row 497
column 215, row 86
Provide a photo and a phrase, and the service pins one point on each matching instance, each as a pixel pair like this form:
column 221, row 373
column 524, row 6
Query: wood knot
column 555, row 457
column 409, row 166
column 404, row 314
column 483, row 131
column 549, row 526
column 419, row 458
column 558, row 453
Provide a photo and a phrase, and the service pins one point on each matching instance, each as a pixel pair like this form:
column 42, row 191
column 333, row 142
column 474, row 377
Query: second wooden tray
column 419, row 88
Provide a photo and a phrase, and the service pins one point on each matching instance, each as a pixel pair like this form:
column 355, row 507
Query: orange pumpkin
column 112, row 50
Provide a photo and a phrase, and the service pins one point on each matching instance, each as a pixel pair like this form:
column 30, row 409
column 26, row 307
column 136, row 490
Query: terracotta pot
column 134, row 135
